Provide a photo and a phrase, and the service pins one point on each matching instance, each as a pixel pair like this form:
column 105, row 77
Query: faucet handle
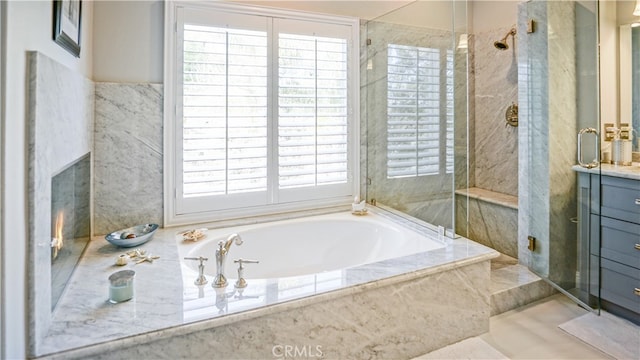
column 201, row 279
column 199, row 258
column 242, row 283
column 245, row 261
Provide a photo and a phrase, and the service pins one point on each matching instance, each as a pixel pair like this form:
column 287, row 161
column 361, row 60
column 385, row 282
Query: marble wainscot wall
column 426, row 197
column 128, row 158
column 396, row 308
column 60, row 123
column 490, row 203
column 547, row 146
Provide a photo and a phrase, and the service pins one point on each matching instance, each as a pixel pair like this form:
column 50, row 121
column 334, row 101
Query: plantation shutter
column 312, row 111
column 225, row 111
column 413, row 110
column 450, row 114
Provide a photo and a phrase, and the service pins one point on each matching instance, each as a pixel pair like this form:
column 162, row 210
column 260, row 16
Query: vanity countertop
column 627, row 172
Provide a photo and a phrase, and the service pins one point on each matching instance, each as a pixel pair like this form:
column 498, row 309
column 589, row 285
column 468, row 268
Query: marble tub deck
column 390, row 307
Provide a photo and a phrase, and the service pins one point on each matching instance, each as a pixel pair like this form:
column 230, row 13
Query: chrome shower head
column 502, row 44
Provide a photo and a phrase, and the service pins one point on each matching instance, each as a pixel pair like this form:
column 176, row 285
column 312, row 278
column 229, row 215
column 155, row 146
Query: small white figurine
column 358, row 207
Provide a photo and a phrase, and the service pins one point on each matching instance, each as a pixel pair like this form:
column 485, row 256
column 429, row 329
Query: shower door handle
column 596, row 160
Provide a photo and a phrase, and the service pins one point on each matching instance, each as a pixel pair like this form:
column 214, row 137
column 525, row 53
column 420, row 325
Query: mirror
column 630, row 79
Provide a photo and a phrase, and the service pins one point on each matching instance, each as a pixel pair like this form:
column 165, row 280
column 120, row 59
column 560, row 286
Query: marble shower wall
column 547, row 95
column 495, row 148
column 60, row 125
column 128, row 159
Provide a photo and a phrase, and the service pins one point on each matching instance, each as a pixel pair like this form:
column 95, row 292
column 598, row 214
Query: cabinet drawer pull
column 637, row 201
column 637, row 246
column 636, row 291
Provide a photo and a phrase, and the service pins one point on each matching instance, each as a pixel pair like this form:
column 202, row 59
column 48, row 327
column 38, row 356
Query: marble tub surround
column 60, row 124
column 393, row 321
column 128, row 158
column 392, row 303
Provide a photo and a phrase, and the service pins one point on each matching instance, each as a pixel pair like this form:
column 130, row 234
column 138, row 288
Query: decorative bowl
column 133, row 236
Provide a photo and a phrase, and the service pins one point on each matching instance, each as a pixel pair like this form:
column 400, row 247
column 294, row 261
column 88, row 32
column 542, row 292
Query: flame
column 57, row 241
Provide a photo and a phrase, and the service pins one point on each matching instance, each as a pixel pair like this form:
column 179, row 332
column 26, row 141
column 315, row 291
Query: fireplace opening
column 70, row 222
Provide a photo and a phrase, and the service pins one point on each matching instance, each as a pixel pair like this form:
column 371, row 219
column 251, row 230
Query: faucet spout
column 230, row 240
column 220, row 280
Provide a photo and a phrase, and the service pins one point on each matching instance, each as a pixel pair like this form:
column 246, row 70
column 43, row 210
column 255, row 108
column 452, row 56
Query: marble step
column 513, row 286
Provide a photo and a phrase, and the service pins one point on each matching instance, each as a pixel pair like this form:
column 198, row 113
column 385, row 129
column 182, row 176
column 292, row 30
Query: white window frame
column 172, row 140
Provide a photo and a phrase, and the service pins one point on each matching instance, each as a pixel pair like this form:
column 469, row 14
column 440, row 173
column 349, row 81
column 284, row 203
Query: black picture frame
column 67, row 20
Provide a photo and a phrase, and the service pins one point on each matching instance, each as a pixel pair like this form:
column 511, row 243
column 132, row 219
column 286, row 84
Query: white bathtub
column 312, row 245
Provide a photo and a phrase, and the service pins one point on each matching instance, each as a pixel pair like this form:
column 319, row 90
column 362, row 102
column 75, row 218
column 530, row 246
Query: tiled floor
column 529, row 332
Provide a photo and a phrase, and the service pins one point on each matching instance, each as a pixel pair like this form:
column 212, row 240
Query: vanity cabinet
column 612, row 231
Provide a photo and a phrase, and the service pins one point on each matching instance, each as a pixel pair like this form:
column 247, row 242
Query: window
column 224, row 111
column 262, row 111
column 419, row 111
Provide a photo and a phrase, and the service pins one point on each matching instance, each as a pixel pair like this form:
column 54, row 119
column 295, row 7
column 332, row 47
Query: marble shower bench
column 493, row 218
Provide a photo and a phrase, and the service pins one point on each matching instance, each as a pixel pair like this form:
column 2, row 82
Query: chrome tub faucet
column 222, row 251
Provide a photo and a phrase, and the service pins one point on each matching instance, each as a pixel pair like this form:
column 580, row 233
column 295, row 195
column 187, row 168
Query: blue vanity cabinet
column 614, row 234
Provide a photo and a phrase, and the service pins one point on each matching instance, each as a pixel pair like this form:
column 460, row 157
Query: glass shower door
column 414, row 91
column 559, row 96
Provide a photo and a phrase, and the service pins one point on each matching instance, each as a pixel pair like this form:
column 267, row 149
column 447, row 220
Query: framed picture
column 66, row 24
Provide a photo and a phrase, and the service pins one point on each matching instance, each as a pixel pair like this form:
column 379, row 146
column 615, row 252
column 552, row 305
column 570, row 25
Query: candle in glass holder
column 121, row 286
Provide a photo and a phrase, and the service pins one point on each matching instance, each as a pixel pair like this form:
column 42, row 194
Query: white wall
column 489, row 15
column 128, row 35
column 624, row 12
column 28, row 27
column 128, row 41
column 608, row 29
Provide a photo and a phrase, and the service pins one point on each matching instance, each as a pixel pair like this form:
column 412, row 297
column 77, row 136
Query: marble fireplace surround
column 60, row 130
column 70, row 117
